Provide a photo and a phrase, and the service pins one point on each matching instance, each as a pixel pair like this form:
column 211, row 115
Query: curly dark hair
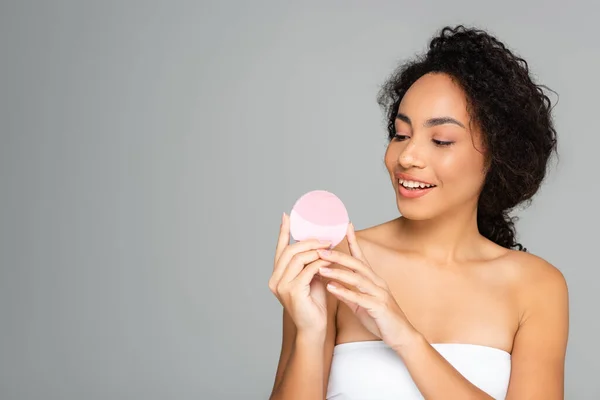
column 511, row 110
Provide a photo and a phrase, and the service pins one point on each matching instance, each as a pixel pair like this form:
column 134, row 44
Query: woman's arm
column 538, row 354
column 538, row 357
column 305, row 360
column 434, row 376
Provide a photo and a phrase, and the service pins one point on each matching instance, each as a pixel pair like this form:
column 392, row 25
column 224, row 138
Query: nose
column 411, row 156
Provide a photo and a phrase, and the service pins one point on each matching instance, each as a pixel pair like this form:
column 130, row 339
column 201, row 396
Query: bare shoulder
column 535, row 274
column 376, row 234
column 541, row 289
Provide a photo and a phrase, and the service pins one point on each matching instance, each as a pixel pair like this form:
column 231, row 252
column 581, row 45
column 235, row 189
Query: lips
column 414, row 184
column 411, row 178
column 413, row 193
column 412, row 187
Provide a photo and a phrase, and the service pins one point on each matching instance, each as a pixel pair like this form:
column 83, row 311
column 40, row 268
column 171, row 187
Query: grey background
column 149, row 147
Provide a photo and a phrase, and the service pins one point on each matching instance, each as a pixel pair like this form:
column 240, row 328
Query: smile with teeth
column 413, row 185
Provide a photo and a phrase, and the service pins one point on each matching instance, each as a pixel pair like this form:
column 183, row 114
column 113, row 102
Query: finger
column 291, row 250
column 297, row 264
column 351, row 262
column 359, row 281
column 285, row 273
column 284, row 238
column 349, row 296
column 355, row 249
column 308, row 273
column 341, row 258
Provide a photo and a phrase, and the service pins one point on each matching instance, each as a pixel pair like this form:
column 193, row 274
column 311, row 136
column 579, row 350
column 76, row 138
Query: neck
column 446, row 239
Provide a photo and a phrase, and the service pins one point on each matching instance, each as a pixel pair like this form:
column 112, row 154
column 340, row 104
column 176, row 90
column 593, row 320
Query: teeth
column 413, row 184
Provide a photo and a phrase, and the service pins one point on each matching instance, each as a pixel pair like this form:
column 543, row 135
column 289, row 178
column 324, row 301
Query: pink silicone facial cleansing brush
column 319, row 215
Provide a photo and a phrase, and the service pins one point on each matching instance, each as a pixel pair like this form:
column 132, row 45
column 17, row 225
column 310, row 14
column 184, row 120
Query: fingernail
column 324, row 270
column 283, row 217
column 324, row 252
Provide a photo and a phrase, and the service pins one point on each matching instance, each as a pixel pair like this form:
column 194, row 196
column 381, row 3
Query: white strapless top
column 372, row 370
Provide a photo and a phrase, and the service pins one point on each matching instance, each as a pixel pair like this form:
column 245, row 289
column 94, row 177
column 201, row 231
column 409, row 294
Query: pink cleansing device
column 319, row 215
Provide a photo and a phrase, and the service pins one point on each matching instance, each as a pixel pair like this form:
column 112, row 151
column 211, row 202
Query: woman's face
column 435, row 145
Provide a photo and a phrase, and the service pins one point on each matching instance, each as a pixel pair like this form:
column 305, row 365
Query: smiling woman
column 473, row 81
column 430, row 143
column 441, row 302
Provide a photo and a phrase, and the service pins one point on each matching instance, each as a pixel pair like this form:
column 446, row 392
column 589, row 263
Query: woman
column 442, row 302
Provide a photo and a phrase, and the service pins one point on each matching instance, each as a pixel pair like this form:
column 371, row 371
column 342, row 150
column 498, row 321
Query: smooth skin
column 425, row 277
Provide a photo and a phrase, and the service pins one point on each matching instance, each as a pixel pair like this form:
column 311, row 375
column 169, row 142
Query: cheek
column 462, row 169
column 391, row 156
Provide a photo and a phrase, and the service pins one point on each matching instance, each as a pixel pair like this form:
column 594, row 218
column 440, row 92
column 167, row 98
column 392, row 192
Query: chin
column 415, row 212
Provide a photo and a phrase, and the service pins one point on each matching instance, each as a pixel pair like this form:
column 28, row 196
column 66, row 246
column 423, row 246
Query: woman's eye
column 400, row 137
column 442, row 143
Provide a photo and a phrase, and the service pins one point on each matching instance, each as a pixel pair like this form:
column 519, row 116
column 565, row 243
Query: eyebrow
column 431, row 121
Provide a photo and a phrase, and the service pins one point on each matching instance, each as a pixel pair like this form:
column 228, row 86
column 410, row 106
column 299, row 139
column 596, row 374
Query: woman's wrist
column 313, row 337
column 411, row 340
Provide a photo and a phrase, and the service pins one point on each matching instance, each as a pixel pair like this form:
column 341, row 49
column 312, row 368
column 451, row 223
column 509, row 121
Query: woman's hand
column 296, row 283
column 366, row 294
